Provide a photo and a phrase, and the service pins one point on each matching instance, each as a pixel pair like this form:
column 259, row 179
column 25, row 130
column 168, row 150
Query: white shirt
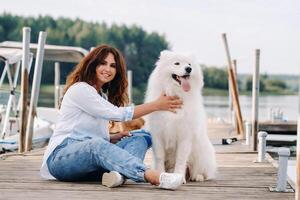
column 84, row 112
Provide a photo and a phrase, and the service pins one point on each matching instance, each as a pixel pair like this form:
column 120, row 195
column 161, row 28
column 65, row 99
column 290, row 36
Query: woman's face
column 106, row 71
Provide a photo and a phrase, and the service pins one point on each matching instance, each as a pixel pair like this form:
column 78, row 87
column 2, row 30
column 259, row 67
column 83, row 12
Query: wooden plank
column 238, row 178
column 221, row 193
column 281, row 137
column 278, row 127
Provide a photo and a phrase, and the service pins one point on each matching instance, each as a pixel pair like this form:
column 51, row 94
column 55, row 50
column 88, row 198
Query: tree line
column 215, row 77
column 140, row 49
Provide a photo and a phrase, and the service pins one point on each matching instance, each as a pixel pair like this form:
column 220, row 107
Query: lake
column 217, row 107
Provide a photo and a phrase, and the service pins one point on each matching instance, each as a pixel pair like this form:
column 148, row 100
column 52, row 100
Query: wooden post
column 129, row 78
column 255, row 93
column 297, row 193
column 236, row 103
column 234, row 119
column 56, row 84
column 230, row 105
column 24, row 88
column 35, row 89
column 28, row 72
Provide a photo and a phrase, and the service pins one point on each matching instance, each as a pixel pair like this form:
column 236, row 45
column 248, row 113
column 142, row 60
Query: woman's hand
column 170, row 103
column 114, row 138
column 163, row 102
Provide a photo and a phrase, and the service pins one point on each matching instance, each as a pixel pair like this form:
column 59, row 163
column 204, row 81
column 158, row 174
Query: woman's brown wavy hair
column 85, row 71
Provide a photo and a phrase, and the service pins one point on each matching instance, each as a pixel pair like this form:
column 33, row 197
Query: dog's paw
column 198, row 178
column 183, row 181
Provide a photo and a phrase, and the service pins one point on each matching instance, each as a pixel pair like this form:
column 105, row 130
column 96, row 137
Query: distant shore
column 220, row 92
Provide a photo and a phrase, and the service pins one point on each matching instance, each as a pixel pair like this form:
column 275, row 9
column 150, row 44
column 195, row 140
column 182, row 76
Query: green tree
column 262, row 85
column 140, row 48
column 215, row 77
column 275, row 85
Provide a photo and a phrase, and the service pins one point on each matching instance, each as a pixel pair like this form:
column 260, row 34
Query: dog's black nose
column 188, row 69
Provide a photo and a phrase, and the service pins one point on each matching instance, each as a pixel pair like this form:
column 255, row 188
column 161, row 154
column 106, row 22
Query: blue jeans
column 88, row 158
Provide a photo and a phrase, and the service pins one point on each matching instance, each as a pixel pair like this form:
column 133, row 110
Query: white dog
column 180, row 140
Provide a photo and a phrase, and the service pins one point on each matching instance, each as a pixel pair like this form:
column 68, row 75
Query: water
column 45, row 100
column 218, row 106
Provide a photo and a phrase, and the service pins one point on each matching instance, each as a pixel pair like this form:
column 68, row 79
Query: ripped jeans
column 88, row 158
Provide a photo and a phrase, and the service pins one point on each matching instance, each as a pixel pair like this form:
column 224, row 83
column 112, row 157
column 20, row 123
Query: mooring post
column 248, row 132
column 35, row 89
column 24, row 87
column 283, row 154
column 255, row 93
column 262, row 136
column 233, row 117
column 234, row 90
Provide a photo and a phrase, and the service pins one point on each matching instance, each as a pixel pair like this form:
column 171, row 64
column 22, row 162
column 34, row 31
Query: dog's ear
column 165, row 54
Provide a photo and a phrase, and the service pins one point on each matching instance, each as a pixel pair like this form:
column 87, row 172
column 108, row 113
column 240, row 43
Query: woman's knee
column 99, row 146
column 146, row 139
column 143, row 134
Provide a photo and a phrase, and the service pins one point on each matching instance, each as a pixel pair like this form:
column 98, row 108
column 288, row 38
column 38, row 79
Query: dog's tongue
column 185, row 84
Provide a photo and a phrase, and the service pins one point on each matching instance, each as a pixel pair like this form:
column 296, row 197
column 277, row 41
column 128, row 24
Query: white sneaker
column 170, row 181
column 112, row 179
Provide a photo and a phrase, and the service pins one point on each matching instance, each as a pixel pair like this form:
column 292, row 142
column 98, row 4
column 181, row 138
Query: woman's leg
column 137, row 144
column 76, row 160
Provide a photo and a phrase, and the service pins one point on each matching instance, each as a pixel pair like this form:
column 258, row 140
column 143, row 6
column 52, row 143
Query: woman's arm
column 168, row 103
column 88, row 100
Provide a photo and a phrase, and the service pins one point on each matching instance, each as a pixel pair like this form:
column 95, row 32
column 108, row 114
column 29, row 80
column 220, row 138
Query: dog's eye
column 177, row 63
column 189, row 64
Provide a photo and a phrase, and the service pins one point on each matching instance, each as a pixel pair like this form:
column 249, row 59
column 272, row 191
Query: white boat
column 11, row 55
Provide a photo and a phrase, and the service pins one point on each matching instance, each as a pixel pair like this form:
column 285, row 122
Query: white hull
column 43, row 129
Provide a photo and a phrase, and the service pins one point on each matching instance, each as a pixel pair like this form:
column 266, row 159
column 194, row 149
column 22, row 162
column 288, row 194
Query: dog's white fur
column 180, row 139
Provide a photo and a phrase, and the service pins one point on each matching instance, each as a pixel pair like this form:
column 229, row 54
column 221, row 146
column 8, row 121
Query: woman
column 81, row 148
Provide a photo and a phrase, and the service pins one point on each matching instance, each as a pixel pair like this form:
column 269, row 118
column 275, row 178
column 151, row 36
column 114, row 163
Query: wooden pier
column 238, row 178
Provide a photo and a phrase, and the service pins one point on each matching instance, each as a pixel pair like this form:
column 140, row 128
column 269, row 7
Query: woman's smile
column 106, row 71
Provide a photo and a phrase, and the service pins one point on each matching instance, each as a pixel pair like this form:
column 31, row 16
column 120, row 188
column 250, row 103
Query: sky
column 196, row 26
